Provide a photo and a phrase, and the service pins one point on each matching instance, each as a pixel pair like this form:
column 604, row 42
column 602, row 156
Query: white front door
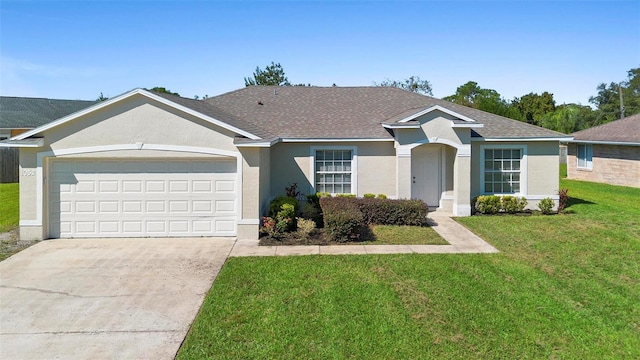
column 141, row 198
column 426, row 178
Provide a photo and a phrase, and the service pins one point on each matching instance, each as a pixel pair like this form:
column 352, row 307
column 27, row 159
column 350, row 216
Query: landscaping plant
column 546, row 206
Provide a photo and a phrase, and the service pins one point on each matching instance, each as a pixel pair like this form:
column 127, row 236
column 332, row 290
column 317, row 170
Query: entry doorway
column 426, row 174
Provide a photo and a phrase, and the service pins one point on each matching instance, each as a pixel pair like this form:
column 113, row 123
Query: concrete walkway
column 461, row 241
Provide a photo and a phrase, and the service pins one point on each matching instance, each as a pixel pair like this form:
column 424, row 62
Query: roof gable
column 169, row 100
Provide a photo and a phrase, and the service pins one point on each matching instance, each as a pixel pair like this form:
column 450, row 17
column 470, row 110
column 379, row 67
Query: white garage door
column 130, row 198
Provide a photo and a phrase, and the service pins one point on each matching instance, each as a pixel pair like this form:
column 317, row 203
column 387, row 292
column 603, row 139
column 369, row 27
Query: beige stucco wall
column 138, row 120
column 290, row 163
column 611, row 164
column 542, row 171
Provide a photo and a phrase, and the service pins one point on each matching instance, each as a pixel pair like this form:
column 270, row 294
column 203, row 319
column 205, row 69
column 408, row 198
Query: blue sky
column 77, row 50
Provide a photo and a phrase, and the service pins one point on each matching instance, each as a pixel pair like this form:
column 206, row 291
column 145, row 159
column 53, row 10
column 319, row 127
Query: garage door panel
column 127, row 198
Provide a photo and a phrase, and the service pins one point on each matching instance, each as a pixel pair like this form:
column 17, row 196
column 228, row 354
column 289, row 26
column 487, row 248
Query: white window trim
column 523, row 168
column 589, row 162
column 354, row 166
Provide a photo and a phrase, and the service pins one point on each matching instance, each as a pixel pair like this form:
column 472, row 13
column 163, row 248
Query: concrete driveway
column 105, row 298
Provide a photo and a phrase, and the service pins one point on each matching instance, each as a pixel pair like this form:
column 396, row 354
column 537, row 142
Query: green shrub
column 489, row 204
column 311, row 211
column 393, row 212
column 276, row 204
column 305, row 226
column 369, row 196
column 269, row 227
column 512, row 204
column 546, row 206
column 285, row 220
column 342, row 218
column 382, row 196
column 351, row 196
column 322, row 194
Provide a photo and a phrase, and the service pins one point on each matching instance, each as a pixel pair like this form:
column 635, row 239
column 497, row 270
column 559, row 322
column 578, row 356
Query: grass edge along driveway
column 562, row 287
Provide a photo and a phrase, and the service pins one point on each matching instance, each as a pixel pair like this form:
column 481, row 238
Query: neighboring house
column 20, row 114
column 608, row 153
column 150, row 164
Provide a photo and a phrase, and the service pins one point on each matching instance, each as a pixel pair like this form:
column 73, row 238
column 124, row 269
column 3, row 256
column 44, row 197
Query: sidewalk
column 461, row 241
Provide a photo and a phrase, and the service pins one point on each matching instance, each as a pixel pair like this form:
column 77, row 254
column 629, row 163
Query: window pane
column 507, row 165
column 516, row 165
column 497, row 165
column 333, row 171
column 488, row 165
column 488, row 187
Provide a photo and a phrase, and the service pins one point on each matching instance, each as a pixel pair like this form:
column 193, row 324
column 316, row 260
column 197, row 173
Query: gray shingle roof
column 623, row 130
column 24, row 112
column 350, row 112
column 218, row 114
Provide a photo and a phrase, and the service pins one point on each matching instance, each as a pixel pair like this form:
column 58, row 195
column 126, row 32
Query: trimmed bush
column 382, row 196
column 369, row 196
column 351, row 196
column 393, row 212
column 342, row 218
column 285, row 220
column 489, row 204
column 546, row 206
column 512, row 204
column 305, row 226
column 276, row 204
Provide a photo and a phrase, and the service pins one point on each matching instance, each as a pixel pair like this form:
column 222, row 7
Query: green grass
column 9, row 206
column 563, row 171
column 404, row 235
column 563, row 286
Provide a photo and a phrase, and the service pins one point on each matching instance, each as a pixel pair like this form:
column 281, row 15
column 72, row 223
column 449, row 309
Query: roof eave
column 473, row 126
column 401, row 126
column 605, row 142
column 24, row 143
column 533, row 138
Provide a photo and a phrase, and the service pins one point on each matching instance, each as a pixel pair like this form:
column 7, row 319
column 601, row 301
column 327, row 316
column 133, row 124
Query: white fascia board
column 264, row 144
column 604, row 142
column 332, row 140
column 18, row 144
column 521, row 139
column 475, row 125
column 400, row 126
column 129, row 94
column 434, row 108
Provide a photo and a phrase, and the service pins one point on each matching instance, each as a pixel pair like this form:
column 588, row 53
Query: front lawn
column 563, row 286
column 9, row 206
